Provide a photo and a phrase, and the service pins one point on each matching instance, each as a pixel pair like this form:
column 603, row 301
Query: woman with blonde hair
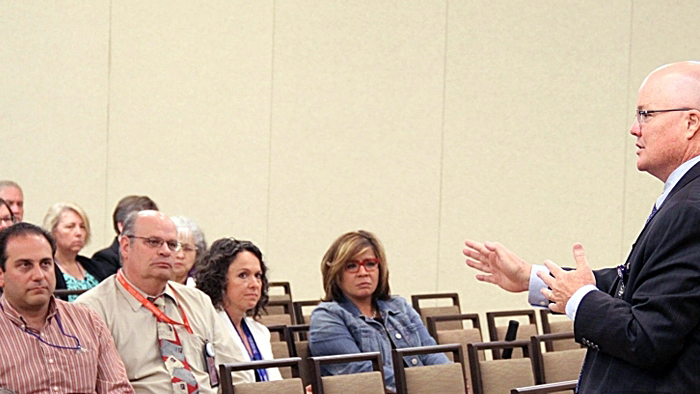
column 70, row 227
column 360, row 315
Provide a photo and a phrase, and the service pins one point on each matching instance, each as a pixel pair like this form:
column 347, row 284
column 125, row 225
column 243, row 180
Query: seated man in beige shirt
column 168, row 335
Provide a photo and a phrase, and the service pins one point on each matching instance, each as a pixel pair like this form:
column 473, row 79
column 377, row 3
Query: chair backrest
column 287, row 386
column 556, row 366
column 559, row 387
column 498, row 326
column 501, row 375
column 278, row 292
column 282, row 348
column 365, row 382
column 430, row 379
column 304, row 306
column 550, row 326
column 452, row 309
column 278, row 319
column 300, row 348
column 462, row 336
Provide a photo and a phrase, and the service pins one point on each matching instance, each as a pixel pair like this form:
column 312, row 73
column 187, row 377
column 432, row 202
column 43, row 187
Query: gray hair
column 8, row 183
column 185, row 225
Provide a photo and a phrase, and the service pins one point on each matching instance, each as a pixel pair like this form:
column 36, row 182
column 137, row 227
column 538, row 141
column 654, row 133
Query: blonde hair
column 344, row 249
column 53, row 216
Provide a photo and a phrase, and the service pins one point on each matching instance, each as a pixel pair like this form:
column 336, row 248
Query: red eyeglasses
column 353, row 266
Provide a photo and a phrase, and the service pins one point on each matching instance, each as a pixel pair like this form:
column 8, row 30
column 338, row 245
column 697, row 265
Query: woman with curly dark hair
column 233, row 274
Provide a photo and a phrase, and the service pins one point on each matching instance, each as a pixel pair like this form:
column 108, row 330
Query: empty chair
column 279, row 291
column 285, row 318
column 364, row 382
column 451, row 309
column 300, row 307
column 462, row 336
column 556, row 366
column 282, row 348
column 300, row 348
column 430, row 379
column 559, row 387
column 286, row 386
column 501, row 375
column 498, row 325
column 563, row 324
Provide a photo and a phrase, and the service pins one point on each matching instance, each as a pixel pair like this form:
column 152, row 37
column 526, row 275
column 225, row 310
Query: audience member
column 12, row 193
column 193, row 246
column 7, row 218
column 70, row 227
column 360, row 315
column 233, row 275
column 164, row 331
column 108, row 258
column 47, row 344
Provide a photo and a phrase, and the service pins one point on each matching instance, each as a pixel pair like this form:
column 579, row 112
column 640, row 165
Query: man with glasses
column 640, row 320
column 169, row 335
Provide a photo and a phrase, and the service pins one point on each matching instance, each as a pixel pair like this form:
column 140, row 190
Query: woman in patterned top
column 70, row 226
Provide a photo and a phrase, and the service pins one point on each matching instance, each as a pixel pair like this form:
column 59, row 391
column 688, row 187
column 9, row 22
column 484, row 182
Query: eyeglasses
column 8, row 220
column 188, row 247
column 353, row 266
column 643, row 115
column 157, row 242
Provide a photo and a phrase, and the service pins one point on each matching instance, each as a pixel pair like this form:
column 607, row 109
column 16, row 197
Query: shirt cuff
column 575, row 300
column 535, row 297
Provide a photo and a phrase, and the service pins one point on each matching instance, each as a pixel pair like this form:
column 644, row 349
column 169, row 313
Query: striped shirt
column 75, row 354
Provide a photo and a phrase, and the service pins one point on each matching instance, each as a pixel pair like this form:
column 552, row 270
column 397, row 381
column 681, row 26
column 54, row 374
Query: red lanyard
column 162, row 317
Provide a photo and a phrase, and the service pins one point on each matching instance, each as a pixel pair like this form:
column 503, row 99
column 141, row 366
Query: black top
column 108, row 259
column 89, row 266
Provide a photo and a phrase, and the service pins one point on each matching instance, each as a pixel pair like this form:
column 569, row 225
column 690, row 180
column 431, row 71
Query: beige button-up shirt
column 135, row 333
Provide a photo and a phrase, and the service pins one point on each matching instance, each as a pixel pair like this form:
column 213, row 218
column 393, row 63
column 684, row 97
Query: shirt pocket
column 193, row 347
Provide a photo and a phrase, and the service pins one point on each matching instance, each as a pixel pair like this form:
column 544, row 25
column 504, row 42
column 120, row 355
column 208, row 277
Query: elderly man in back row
column 169, row 335
column 12, row 193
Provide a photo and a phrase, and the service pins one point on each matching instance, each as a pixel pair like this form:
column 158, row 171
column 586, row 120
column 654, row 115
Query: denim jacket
column 340, row 328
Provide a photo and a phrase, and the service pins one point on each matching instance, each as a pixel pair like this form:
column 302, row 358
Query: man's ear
column 124, row 245
column 2, row 278
column 692, row 124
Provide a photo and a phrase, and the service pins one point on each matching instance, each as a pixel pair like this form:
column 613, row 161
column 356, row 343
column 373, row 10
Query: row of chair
column 447, row 379
column 535, row 366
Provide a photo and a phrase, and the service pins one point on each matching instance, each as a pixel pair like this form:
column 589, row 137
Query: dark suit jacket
column 648, row 340
column 108, row 259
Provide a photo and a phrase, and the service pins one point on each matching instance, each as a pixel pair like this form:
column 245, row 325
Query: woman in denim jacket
column 360, row 315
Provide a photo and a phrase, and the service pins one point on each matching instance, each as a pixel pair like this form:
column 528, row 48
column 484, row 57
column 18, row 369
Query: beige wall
column 291, row 122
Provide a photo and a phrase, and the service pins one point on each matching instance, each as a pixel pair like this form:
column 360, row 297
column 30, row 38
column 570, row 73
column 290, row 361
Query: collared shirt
column 135, row 333
column 538, row 300
column 28, row 365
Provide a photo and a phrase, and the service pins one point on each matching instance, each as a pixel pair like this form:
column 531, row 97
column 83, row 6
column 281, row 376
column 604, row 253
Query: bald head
column 678, row 84
column 668, row 124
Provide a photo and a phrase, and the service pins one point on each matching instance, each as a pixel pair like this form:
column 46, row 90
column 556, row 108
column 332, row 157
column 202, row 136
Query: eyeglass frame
column 643, row 114
column 173, row 246
column 362, row 263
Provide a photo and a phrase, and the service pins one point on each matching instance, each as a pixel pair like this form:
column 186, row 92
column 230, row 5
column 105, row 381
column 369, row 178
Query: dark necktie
column 651, row 215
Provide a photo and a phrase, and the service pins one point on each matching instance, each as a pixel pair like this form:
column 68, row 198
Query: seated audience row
column 169, row 335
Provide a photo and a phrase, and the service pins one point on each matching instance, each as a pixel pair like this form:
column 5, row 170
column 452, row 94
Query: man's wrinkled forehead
column 154, row 223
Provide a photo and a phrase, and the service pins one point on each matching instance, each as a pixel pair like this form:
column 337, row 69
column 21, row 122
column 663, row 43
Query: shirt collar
column 16, row 318
column 673, row 179
column 383, row 306
column 136, row 304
